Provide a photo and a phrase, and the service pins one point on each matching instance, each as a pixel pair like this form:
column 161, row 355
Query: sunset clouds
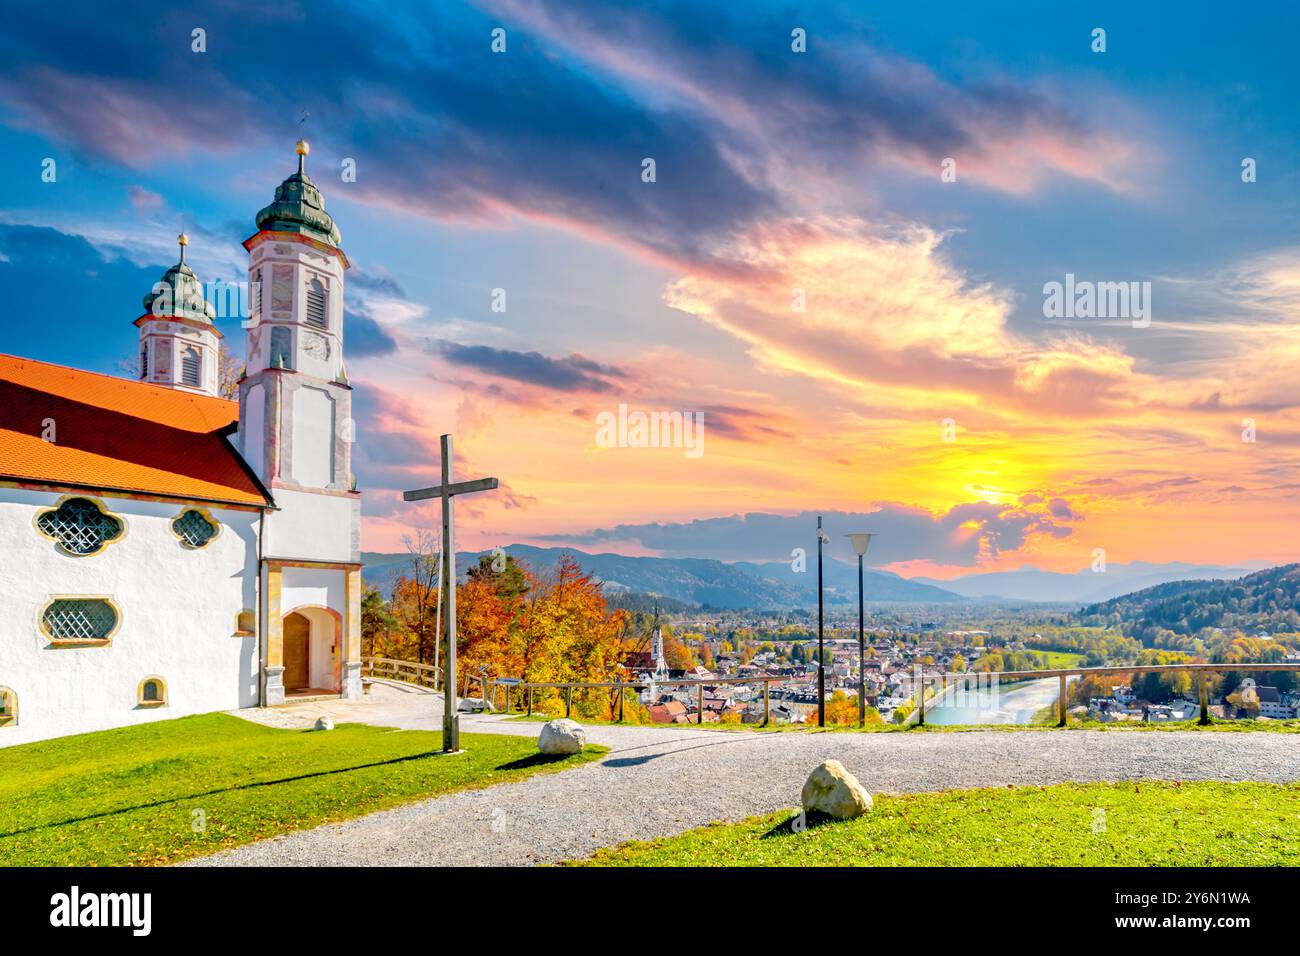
column 864, row 338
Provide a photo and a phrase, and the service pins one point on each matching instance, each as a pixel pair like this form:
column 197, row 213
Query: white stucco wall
column 317, row 527
column 178, row 609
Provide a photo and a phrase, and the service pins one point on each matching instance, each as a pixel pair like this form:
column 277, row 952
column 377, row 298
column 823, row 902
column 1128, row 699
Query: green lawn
column 1143, row 824
column 1061, row 660
column 131, row 796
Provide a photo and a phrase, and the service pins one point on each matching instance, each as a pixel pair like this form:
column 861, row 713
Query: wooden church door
column 297, row 637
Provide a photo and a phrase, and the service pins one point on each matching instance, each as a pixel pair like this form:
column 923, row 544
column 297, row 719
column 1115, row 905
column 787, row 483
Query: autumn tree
column 378, row 623
column 415, row 595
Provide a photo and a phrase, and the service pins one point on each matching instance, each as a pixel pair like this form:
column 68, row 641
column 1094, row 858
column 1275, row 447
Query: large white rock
column 561, row 736
column 832, row 790
column 325, row 723
column 474, row 705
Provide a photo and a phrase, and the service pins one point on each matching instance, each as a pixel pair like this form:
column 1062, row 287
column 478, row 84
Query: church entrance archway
column 313, row 651
column 297, row 652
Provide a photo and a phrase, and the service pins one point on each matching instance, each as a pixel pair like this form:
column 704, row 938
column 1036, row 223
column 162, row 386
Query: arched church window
column 79, row 526
column 8, row 707
column 152, row 692
column 79, row 620
column 316, row 305
column 144, row 362
column 194, row 528
column 191, row 367
column 281, row 347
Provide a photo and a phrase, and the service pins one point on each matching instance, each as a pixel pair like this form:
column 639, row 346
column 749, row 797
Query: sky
column 838, row 264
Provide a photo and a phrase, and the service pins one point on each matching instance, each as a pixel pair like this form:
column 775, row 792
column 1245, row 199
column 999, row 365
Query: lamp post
column 821, row 654
column 861, row 540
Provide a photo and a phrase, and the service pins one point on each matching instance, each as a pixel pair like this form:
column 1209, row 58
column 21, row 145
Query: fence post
column 701, row 720
column 1063, row 700
column 767, row 701
column 920, row 696
column 568, row 700
column 622, row 696
column 530, row 701
column 1205, row 698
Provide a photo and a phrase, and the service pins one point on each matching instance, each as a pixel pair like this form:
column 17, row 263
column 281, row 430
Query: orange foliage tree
column 557, row 629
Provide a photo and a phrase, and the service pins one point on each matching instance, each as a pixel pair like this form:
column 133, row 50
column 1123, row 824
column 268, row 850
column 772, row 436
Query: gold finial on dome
column 182, row 240
column 302, row 147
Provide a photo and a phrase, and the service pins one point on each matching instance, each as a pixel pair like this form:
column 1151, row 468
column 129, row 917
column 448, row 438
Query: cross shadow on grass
column 252, row 785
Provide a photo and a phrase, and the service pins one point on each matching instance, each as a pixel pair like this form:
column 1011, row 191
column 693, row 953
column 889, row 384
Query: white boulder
column 832, row 790
column 474, row 705
column 325, row 723
column 561, row 736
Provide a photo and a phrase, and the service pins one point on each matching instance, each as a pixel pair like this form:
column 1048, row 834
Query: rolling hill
column 1267, row 600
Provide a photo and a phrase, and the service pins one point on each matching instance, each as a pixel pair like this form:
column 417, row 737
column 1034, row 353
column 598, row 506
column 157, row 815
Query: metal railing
column 624, row 686
column 1118, row 670
column 428, row 675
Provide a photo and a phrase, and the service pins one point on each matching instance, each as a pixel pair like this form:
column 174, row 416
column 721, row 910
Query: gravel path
column 661, row 781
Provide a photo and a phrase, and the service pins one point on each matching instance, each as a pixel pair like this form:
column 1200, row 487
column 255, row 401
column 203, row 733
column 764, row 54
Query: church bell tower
column 295, row 400
column 295, row 433
column 179, row 345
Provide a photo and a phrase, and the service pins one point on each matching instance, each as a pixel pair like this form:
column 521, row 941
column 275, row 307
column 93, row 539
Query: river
column 1007, row 704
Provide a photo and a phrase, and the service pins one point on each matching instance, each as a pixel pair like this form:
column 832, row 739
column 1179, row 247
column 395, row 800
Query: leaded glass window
column 79, row 619
column 193, row 528
column 79, row 526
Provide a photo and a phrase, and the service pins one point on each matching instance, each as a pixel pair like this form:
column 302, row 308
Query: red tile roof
column 116, row 434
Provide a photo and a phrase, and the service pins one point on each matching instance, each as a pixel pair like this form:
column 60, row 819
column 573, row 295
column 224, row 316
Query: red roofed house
column 168, row 551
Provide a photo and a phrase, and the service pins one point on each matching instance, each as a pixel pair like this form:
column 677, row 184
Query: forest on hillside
column 1268, row 600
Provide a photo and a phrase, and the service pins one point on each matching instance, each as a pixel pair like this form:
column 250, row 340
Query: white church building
column 168, row 551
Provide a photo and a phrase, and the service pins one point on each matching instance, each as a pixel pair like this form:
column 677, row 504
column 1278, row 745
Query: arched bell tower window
column 281, row 347
column 144, row 362
column 317, row 312
column 191, row 367
column 79, row 526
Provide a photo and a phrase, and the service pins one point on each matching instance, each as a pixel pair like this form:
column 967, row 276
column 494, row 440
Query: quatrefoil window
column 80, row 526
column 193, row 528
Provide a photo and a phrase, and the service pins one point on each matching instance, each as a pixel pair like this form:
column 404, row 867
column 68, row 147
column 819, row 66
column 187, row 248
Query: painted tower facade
column 179, row 345
column 296, row 435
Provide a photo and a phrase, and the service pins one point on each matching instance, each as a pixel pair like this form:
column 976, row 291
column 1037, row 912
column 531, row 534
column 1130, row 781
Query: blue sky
column 521, row 170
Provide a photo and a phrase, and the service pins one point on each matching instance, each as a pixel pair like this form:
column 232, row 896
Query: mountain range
column 775, row 585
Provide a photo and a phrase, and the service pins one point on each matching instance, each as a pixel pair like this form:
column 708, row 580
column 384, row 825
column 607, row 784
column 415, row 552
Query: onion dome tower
column 179, row 345
column 295, row 400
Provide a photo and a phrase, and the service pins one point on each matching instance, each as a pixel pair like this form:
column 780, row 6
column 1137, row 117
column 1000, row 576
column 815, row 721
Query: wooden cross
column 446, row 491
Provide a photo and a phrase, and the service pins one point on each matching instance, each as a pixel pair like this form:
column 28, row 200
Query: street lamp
column 861, row 541
column 822, row 538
